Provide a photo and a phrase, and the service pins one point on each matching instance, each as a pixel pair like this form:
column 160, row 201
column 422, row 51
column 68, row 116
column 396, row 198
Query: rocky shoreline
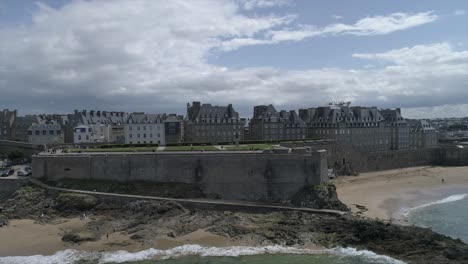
column 144, row 220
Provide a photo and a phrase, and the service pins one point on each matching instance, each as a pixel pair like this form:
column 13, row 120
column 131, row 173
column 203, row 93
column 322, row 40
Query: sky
column 156, row 55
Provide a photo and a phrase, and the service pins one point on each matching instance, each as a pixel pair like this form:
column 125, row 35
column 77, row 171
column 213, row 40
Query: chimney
column 84, row 112
column 91, row 112
column 98, row 113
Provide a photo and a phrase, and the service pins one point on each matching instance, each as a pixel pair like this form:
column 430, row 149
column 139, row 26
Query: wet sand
column 387, row 195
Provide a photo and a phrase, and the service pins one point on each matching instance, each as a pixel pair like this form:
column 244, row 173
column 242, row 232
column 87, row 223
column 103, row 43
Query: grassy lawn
column 250, row 146
column 132, row 149
column 189, row 148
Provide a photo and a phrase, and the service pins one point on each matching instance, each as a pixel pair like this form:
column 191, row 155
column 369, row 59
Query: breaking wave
column 452, row 198
column 71, row 256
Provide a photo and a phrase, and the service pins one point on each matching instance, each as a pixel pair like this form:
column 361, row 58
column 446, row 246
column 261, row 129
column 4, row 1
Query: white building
column 98, row 133
column 44, row 134
column 145, row 129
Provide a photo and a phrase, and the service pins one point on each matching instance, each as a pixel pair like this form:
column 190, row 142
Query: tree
column 16, row 154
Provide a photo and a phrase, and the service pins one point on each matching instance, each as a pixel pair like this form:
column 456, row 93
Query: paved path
column 243, row 204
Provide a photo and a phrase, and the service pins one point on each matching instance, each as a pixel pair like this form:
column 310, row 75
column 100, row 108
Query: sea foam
column 71, row 256
column 452, row 198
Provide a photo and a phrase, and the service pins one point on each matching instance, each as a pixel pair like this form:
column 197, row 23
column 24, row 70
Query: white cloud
column 337, row 17
column 251, row 4
column 459, row 12
column 153, row 56
column 369, row 26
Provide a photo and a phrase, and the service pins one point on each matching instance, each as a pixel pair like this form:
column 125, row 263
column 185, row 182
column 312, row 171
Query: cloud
column 153, row 56
column 369, row 26
column 337, row 17
column 459, row 12
column 252, row 4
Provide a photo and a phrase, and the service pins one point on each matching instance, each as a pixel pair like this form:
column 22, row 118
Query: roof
column 419, row 125
column 141, row 118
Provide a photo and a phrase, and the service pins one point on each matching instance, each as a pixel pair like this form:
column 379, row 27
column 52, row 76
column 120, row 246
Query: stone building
column 106, row 127
column 362, row 127
column 142, row 128
column 7, row 119
column 207, row 123
column 97, row 133
column 422, row 134
column 21, row 126
column 269, row 124
column 173, row 128
column 398, row 128
column 46, row 134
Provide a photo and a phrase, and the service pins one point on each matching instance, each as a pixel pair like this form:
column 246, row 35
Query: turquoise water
column 448, row 216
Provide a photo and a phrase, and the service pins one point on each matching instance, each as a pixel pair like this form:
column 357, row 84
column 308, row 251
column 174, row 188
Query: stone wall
column 248, row 176
column 7, row 146
column 362, row 161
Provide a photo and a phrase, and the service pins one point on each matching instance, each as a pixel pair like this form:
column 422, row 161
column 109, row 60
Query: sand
column 389, row 194
column 28, row 237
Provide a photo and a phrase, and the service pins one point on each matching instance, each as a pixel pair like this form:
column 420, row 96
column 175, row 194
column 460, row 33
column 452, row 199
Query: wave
column 71, row 256
column 452, row 198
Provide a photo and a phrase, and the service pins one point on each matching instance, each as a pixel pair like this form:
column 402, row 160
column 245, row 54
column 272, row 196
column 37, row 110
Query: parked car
column 28, row 169
column 4, row 173
column 11, row 172
column 20, row 173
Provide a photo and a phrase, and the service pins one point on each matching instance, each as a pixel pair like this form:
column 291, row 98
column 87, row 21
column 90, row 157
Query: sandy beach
column 27, row 237
column 388, row 194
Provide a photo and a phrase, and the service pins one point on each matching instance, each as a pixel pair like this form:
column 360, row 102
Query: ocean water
column 448, row 216
column 210, row 255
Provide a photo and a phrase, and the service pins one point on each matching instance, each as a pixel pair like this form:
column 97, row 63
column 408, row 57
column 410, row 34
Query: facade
column 45, row 134
column 397, row 127
column 422, row 134
column 207, row 123
column 7, row 119
column 269, row 124
column 173, row 129
column 106, row 127
column 362, row 127
column 21, row 126
column 142, row 128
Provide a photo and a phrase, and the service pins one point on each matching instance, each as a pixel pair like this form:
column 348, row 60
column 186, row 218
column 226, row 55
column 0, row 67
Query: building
column 173, row 128
column 269, row 124
column 397, row 127
column 142, row 128
column 45, row 134
column 362, row 127
column 7, row 119
column 207, row 123
column 106, row 127
column 422, row 134
column 21, row 126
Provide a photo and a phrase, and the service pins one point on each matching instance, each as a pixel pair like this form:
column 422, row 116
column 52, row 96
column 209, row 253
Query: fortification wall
column 361, row 161
column 249, row 176
column 7, row 146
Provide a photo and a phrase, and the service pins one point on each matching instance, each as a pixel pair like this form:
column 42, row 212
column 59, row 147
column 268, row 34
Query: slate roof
column 420, row 126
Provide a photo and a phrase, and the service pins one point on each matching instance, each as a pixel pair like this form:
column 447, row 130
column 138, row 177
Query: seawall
column 237, row 176
column 362, row 161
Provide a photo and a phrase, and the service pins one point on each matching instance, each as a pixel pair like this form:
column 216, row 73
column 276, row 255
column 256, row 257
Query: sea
column 447, row 216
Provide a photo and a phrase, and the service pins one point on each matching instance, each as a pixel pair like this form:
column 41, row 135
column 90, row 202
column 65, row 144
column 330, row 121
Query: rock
column 452, row 253
column 136, row 237
column 75, row 202
column 171, row 234
column 321, row 196
column 77, row 238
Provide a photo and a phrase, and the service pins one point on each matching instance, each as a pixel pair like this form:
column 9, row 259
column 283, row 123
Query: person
column 107, row 236
column 443, row 180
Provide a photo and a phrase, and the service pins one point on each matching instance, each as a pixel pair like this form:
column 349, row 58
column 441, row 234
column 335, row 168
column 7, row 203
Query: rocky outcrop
column 321, row 196
column 75, row 202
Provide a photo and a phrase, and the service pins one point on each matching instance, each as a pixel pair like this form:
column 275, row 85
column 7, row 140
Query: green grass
column 191, row 148
column 250, row 147
column 132, row 149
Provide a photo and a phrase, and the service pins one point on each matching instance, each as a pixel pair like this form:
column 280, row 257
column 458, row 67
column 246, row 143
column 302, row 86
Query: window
column 37, row 132
column 44, row 132
column 51, row 132
column 29, row 132
column 144, row 135
column 79, row 137
column 87, row 137
column 59, row 132
column 130, row 135
column 82, row 130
